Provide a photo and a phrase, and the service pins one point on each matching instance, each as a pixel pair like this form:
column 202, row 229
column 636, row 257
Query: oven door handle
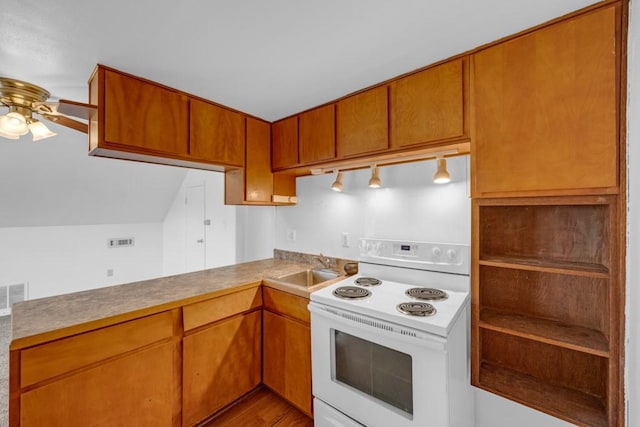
column 382, row 328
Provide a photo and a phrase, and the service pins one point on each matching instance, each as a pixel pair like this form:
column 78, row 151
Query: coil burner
column 367, row 281
column 427, row 294
column 351, row 292
column 416, row 309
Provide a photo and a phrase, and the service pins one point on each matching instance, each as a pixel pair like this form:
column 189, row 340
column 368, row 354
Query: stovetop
column 383, row 301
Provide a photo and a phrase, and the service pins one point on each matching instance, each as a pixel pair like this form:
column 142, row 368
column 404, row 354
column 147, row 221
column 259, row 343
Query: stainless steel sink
column 308, row 277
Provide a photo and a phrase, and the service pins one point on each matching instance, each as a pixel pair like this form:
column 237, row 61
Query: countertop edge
column 65, row 332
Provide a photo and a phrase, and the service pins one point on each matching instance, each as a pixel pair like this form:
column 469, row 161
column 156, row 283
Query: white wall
column 633, row 244
column 220, row 235
column 255, row 232
column 408, row 206
column 59, row 260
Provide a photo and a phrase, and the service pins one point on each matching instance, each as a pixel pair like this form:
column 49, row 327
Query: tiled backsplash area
column 317, row 260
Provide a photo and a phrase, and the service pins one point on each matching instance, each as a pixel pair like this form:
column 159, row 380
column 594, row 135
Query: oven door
column 379, row 374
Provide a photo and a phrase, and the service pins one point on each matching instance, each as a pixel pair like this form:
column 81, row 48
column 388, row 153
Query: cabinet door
column 428, row 106
column 287, row 359
column 140, row 389
column 145, row 116
column 546, row 109
column 318, row 135
column 220, row 364
column 216, row 134
column 259, row 179
column 362, row 123
column 284, row 143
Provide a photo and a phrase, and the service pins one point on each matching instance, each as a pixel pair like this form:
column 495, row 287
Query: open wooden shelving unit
column 544, row 291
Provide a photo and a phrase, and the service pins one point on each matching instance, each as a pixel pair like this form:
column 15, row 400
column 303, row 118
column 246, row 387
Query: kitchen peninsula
column 167, row 351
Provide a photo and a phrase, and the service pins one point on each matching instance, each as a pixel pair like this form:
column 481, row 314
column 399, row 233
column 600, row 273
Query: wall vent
column 11, row 294
column 120, row 242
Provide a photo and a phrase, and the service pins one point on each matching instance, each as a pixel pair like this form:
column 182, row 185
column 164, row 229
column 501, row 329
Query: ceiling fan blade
column 68, row 122
column 75, row 109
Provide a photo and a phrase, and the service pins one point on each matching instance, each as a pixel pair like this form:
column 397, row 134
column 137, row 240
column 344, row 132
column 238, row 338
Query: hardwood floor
column 261, row 408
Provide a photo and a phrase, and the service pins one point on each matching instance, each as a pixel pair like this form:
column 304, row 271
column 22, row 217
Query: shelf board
column 571, row 405
column 578, row 338
column 535, row 264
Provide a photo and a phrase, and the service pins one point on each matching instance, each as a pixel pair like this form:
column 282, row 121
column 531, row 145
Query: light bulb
column 337, row 184
column 442, row 175
column 375, row 181
column 13, row 124
column 40, row 131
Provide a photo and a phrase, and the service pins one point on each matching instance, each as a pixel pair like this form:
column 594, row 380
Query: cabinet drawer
column 58, row 357
column 209, row 311
column 287, row 304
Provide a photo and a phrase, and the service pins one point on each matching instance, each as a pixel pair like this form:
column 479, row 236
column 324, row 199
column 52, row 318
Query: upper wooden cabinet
column 136, row 114
column 317, row 135
column 362, row 123
column 428, row 106
column 546, row 110
column 216, row 134
column 142, row 120
column 284, row 143
column 255, row 183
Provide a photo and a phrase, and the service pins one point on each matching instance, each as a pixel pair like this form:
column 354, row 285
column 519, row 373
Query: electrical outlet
column 110, row 272
column 345, row 239
column 291, row 235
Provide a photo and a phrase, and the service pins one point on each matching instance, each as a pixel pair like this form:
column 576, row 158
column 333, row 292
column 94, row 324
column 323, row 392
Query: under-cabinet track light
column 442, row 175
column 337, row 184
column 375, row 181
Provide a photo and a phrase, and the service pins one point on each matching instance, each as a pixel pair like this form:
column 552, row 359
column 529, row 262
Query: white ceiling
column 267, row 58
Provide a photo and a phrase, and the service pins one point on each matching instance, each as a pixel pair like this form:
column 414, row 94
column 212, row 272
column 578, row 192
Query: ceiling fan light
column 375, row 181
column 40, row 131
column 442, row 175
column 8, row 135
column 14, row 124
column 337, row 184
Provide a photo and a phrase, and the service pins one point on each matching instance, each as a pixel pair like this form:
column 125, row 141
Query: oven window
column 378, row 371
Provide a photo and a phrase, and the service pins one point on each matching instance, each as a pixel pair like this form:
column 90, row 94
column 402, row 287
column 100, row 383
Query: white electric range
column 390, row 346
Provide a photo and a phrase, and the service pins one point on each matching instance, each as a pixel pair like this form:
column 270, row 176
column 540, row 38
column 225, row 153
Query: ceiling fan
column 25, row 99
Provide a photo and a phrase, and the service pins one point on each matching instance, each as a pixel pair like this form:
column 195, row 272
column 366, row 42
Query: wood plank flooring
column 261, row 408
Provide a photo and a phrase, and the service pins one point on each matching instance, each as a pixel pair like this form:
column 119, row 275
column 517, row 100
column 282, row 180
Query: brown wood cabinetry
column 287, row 347
column 545, row 305
column 126, row 374
column 216, row 134
column 429, row 106
column 256, row 183
column 135, row 115
column 221, row 350
column 284, row 143
column 362, row 123
column 317, row 135
column 222, row 362
column 546, row 109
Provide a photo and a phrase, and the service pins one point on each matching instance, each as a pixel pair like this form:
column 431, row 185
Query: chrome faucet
column 324, row 260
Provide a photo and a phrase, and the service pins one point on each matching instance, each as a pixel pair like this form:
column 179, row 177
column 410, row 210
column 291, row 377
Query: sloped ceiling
column 266, row 58
column 53, row 182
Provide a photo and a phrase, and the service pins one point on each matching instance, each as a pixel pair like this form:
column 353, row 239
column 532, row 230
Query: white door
column 195, row 239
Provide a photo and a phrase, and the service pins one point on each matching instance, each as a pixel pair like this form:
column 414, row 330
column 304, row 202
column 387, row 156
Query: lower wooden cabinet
column 126, row 374
column 287, row 351
column 220, row 363
column 174, row 368
column 139, row 389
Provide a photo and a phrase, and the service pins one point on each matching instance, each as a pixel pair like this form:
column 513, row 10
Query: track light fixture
column 442, row 175
column 337, row 184
column 375, row 181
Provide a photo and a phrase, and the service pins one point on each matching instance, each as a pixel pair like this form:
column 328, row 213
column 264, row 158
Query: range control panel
column 446, row 257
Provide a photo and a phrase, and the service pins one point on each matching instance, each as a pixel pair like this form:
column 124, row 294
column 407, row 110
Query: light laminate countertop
column 45, row 319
